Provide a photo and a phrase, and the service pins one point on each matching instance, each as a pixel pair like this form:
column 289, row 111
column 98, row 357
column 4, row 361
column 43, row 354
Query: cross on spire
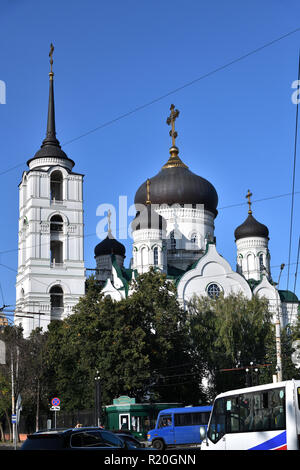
column 171, row 122
column 248, row 196
column 51, row 58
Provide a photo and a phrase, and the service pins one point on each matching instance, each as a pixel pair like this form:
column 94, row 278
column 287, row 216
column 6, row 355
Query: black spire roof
column 51, row 146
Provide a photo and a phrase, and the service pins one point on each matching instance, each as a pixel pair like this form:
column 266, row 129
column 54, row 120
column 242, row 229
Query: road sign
column 13, row 419
column 55, row 401
column 55, row 408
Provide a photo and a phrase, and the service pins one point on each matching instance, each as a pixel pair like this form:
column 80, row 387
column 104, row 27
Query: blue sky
column 236, row 126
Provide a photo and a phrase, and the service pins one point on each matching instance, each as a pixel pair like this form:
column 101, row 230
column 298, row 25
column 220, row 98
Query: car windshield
column 95, row 439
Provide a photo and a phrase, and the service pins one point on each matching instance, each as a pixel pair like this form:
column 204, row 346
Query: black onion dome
column 176, row 184
column 251, row 228
column 109, row 246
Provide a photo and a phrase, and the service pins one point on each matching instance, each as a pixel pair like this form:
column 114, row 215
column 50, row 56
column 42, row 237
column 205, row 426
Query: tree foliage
column 229, row 333
column 132, row 343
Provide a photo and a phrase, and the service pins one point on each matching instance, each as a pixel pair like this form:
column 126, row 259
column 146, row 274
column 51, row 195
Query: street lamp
column 250, row 369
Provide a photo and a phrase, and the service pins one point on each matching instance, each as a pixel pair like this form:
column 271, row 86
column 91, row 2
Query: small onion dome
column 148, row 218
column 109, row 246
column 251, row 228
column 176, row 184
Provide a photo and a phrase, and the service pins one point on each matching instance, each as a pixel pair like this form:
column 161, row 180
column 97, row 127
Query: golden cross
column 51, row 56
column 248, row 195
column 171, row 121
column 148, row 191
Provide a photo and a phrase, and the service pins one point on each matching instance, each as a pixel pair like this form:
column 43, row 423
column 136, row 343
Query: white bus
column 266, row 417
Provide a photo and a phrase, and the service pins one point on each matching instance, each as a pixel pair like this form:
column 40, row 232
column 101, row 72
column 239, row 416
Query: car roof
column 60, row 431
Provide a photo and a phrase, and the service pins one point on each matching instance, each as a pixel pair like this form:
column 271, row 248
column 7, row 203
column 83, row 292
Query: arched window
column 194, row 238
column 144, row 257
column 56, row 223
column 172, row 240
column 155, row 256
column 250, row 263
column 56, row 298
column 56, row 186
column 261, row 262
column 56, row 252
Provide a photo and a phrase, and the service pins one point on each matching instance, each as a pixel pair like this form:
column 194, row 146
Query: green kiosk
column 125, row 414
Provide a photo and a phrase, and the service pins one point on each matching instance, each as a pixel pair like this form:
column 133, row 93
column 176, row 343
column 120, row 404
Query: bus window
column 232, row 414
column 165, row 420
column 183, row 419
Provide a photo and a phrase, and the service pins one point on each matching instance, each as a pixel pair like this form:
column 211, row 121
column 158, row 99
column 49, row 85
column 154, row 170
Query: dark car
column 74, row 439
column 130, row 440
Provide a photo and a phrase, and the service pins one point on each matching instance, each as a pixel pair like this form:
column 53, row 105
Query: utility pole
column 278, row 333
column 13, row 408
column 98, row 413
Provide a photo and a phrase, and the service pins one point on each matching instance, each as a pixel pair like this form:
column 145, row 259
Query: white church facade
column 173, row 232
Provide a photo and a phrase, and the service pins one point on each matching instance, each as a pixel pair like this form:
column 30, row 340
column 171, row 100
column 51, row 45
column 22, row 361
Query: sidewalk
column 9, row 445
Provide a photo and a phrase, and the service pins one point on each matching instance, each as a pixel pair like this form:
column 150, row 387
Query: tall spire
column 50, row 146
column 51, row 132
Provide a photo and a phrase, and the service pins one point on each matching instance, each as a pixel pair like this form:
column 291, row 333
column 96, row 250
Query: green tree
column 228, row 333
column 35, row 393
column 135, row 344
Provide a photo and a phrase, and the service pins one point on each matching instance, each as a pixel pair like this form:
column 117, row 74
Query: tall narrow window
column 173, row 240
column 261, row 262
column 144, row 257
column 56, row 186
column 56, row 299
column 194, row 238
column 155, row 256
column 56, row 253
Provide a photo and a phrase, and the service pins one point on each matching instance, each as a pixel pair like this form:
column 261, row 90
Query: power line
column 175, row 90
column 293, row 183
column 73, row 237
column 188, row 84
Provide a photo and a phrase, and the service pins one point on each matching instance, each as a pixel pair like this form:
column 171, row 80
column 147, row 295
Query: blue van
column 179, row 426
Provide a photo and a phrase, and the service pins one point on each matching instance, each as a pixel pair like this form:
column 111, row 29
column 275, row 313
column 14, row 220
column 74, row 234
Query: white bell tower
column 51, row 273
column 253, row 256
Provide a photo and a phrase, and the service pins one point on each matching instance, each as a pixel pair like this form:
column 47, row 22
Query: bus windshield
column 254, row 411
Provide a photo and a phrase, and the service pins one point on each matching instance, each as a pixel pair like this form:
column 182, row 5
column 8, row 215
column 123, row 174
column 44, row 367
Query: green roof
column 288, row 296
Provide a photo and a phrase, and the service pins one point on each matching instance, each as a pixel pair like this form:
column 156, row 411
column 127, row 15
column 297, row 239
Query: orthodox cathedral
column 173, row 232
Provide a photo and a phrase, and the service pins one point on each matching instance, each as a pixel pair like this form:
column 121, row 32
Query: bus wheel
column 158, row 444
